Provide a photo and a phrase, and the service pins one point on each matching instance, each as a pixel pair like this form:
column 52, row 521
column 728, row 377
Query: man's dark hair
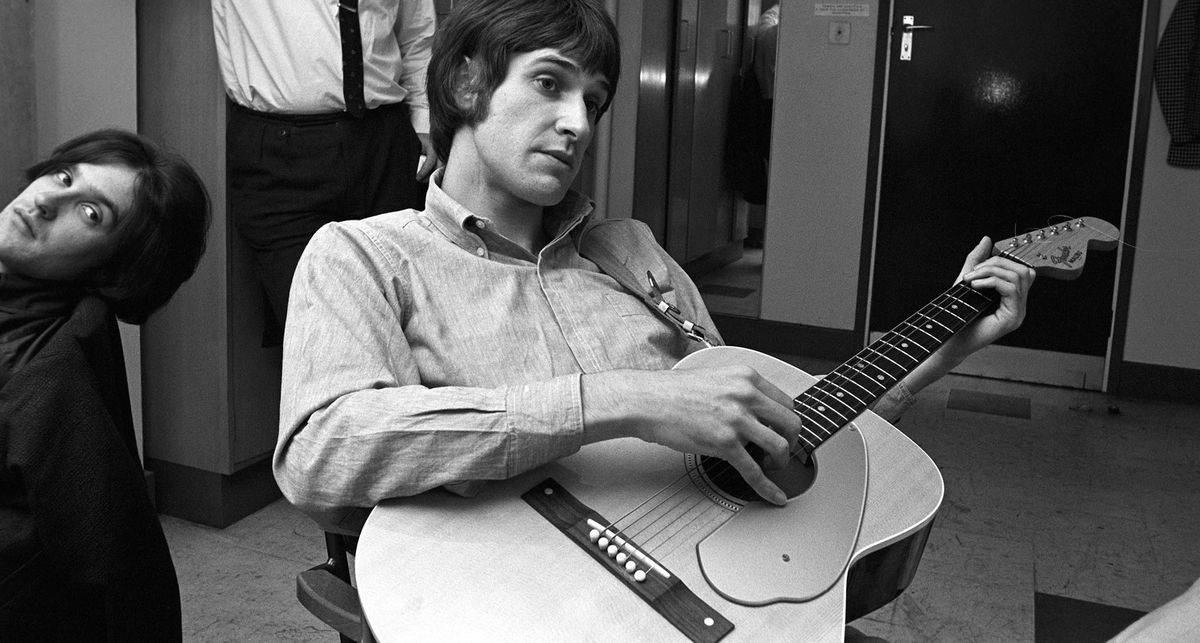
column 490, row 32
column 161, row 238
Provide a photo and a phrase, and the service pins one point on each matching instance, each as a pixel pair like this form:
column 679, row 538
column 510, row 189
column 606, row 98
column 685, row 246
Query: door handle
column 906, row 39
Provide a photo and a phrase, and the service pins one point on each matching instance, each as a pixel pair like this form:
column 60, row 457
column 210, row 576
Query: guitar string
column 1019, row 254
column 724, row 472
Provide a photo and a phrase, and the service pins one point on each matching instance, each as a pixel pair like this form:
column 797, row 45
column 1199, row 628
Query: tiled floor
column 1090, row 498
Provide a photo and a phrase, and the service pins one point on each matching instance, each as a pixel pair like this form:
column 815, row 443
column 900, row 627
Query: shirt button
column 480, row 251
column 479, row 223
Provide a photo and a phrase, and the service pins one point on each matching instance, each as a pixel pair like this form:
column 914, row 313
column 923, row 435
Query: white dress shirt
column 285, row 56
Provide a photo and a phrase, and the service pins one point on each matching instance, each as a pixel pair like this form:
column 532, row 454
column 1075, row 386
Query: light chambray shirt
column 423, row 349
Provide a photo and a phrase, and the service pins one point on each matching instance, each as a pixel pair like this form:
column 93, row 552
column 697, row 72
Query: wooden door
column 1008, row 116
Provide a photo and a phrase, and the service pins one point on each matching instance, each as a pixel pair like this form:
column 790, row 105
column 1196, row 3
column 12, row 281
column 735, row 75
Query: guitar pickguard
column 801, row 549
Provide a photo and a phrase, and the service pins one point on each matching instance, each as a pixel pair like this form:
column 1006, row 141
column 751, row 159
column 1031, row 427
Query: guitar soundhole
column 794, row 479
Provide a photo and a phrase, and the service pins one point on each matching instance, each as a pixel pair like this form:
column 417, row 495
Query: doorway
column 1009, row 116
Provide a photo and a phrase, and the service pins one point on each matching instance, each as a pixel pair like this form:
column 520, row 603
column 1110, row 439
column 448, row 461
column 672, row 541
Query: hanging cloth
column 1177, row 81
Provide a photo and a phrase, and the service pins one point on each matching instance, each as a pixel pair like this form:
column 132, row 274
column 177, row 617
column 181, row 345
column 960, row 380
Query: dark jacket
column 82, row 554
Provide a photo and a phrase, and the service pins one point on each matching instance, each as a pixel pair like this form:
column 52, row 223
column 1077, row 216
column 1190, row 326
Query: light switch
column 839, row 32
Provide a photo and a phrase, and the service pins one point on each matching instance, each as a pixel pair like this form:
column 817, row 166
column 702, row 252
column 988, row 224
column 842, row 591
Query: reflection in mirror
column 735, row 288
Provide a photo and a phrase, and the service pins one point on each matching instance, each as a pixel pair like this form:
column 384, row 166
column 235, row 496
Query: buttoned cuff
column 894, row 403
column 545, row 420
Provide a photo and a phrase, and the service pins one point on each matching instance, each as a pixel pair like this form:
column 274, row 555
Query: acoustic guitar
column 626, row 540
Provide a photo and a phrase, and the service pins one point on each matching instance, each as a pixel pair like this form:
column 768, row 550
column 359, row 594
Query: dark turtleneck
column 30, row 311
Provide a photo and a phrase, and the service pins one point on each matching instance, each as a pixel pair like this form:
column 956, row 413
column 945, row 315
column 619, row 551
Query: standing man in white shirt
column 328, row 120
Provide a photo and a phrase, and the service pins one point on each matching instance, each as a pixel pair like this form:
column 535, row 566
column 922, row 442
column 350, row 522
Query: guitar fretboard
column 847, row 391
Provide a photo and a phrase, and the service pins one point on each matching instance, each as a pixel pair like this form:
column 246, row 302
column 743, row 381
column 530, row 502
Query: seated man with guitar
column 498, row 329
column 437, row 355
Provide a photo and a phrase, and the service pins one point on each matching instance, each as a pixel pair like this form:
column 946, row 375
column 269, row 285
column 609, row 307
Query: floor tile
column 949, row 607
column 233, row 592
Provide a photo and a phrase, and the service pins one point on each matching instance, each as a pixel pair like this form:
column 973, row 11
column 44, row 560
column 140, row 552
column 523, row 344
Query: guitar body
column 491, row 567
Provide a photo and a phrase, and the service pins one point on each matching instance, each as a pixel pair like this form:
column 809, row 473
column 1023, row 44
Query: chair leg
column 337, row 562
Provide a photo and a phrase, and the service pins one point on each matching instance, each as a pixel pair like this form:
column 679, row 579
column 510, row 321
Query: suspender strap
column 647, row 291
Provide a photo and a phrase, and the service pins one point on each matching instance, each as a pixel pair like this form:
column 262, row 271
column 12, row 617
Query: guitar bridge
column 640, row 573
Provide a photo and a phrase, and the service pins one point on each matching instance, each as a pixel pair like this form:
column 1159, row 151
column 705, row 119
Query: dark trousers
column 290, row 175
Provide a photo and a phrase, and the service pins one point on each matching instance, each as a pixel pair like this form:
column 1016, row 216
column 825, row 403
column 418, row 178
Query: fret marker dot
column 879, row 377
column 821, row 409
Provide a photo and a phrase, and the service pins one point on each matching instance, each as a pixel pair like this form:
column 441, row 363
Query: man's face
column 63, row 224
column 539, row 123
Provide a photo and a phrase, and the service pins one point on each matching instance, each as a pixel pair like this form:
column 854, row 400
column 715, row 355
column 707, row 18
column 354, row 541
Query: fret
column 851, row 388
column 918, row 339
column 860, row 367
column 810, row 447
column 883, row 377
column 952, row 310
column 839, row 374
column 833, row 396
column 856, row 384
column 809, row 443
column 922, row 331
column 901, row 348
column 936, row 328
column 829, row 379
column 873, row 350
column 833, row 425
column 840, row 416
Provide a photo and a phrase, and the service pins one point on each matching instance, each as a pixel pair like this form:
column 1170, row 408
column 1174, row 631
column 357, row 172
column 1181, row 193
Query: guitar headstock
column 1059, row 251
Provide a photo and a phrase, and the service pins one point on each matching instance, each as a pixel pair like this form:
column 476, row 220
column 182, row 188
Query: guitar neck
column 1057, row 251
column 851, row 388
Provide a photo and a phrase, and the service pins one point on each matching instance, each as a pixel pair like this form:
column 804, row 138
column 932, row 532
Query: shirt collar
column 456, row 221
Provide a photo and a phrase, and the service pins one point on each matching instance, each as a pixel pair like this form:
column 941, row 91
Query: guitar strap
column 650, row 294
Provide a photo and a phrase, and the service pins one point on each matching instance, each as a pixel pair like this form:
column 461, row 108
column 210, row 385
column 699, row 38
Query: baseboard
column 210, row 498
column 1156, row 382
